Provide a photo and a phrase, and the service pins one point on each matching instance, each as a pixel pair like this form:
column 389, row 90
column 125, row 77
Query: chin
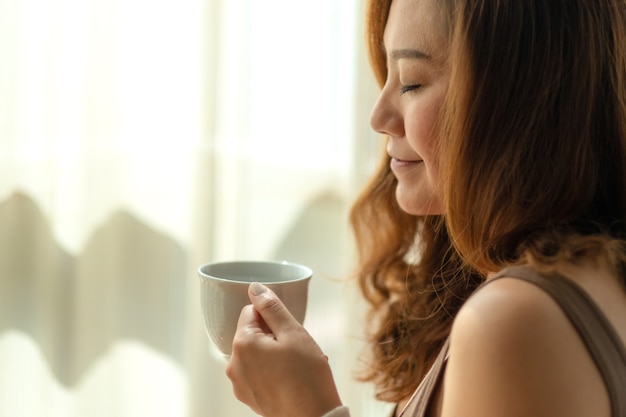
column 419, row 206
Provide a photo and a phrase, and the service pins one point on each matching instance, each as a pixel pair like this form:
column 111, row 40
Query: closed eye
column 406, row 88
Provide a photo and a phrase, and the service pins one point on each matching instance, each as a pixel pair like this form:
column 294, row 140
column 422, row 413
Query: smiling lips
column 399, row 164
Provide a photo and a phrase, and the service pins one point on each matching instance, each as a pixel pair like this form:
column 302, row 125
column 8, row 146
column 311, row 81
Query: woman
column 504, row 179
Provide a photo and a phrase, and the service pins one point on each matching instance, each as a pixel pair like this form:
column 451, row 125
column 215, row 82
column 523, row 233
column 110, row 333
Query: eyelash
column 407, row 88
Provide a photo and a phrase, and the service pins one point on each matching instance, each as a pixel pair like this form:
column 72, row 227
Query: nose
column 385, row 117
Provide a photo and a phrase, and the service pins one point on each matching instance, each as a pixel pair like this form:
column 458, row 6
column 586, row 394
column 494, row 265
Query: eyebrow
column 398, row 54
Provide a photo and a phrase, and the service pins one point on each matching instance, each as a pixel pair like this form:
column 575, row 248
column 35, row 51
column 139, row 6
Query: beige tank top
column 603, row 343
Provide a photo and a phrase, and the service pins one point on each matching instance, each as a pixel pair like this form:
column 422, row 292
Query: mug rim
column 307, row 272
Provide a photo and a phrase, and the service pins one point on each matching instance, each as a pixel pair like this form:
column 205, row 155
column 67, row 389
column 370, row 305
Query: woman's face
column 408, row 107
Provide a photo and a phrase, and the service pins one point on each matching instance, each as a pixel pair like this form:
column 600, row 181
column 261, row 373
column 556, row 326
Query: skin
column 276, row 368
column 512, row 350
column 525, row 360
column 408, row 107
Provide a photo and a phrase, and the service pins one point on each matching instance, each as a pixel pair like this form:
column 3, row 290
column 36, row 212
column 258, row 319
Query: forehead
column 415, row 24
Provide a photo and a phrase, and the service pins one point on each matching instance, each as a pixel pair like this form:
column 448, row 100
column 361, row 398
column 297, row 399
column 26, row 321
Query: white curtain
column 140, row 139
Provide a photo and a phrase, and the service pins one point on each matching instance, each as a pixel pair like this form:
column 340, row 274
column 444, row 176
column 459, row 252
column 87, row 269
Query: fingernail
column 257, row 289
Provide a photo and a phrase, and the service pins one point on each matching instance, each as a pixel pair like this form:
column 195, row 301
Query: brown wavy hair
column 534, row 165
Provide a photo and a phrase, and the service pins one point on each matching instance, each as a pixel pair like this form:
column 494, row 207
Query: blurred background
column 140, row 139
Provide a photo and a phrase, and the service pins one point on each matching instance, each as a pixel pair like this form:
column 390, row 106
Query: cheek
column 421, row 130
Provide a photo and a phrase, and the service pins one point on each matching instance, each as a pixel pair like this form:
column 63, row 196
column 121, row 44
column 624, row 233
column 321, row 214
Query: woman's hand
column 276, row 367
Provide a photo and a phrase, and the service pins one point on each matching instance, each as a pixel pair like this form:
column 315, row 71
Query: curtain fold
column 140, row 139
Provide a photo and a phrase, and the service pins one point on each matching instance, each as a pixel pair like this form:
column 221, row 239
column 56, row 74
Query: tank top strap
column 602, row 341
column 422, row 398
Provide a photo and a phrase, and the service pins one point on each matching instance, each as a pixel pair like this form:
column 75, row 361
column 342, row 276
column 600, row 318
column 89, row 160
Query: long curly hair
column 533, row 157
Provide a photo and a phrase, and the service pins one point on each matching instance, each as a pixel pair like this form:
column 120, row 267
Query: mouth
column 400, row 163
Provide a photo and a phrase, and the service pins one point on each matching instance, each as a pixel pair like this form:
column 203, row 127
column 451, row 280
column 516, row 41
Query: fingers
column 276, row 367
column 271, row 309
column 251, row 323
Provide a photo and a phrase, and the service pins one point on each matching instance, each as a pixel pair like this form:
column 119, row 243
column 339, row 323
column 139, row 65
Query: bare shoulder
column 513, row 352
column 508, row 308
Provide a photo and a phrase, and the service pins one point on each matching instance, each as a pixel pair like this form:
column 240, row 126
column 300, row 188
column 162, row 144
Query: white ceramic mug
column 224, row 292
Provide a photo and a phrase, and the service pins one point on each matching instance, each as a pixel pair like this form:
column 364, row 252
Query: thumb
column 274, row 313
